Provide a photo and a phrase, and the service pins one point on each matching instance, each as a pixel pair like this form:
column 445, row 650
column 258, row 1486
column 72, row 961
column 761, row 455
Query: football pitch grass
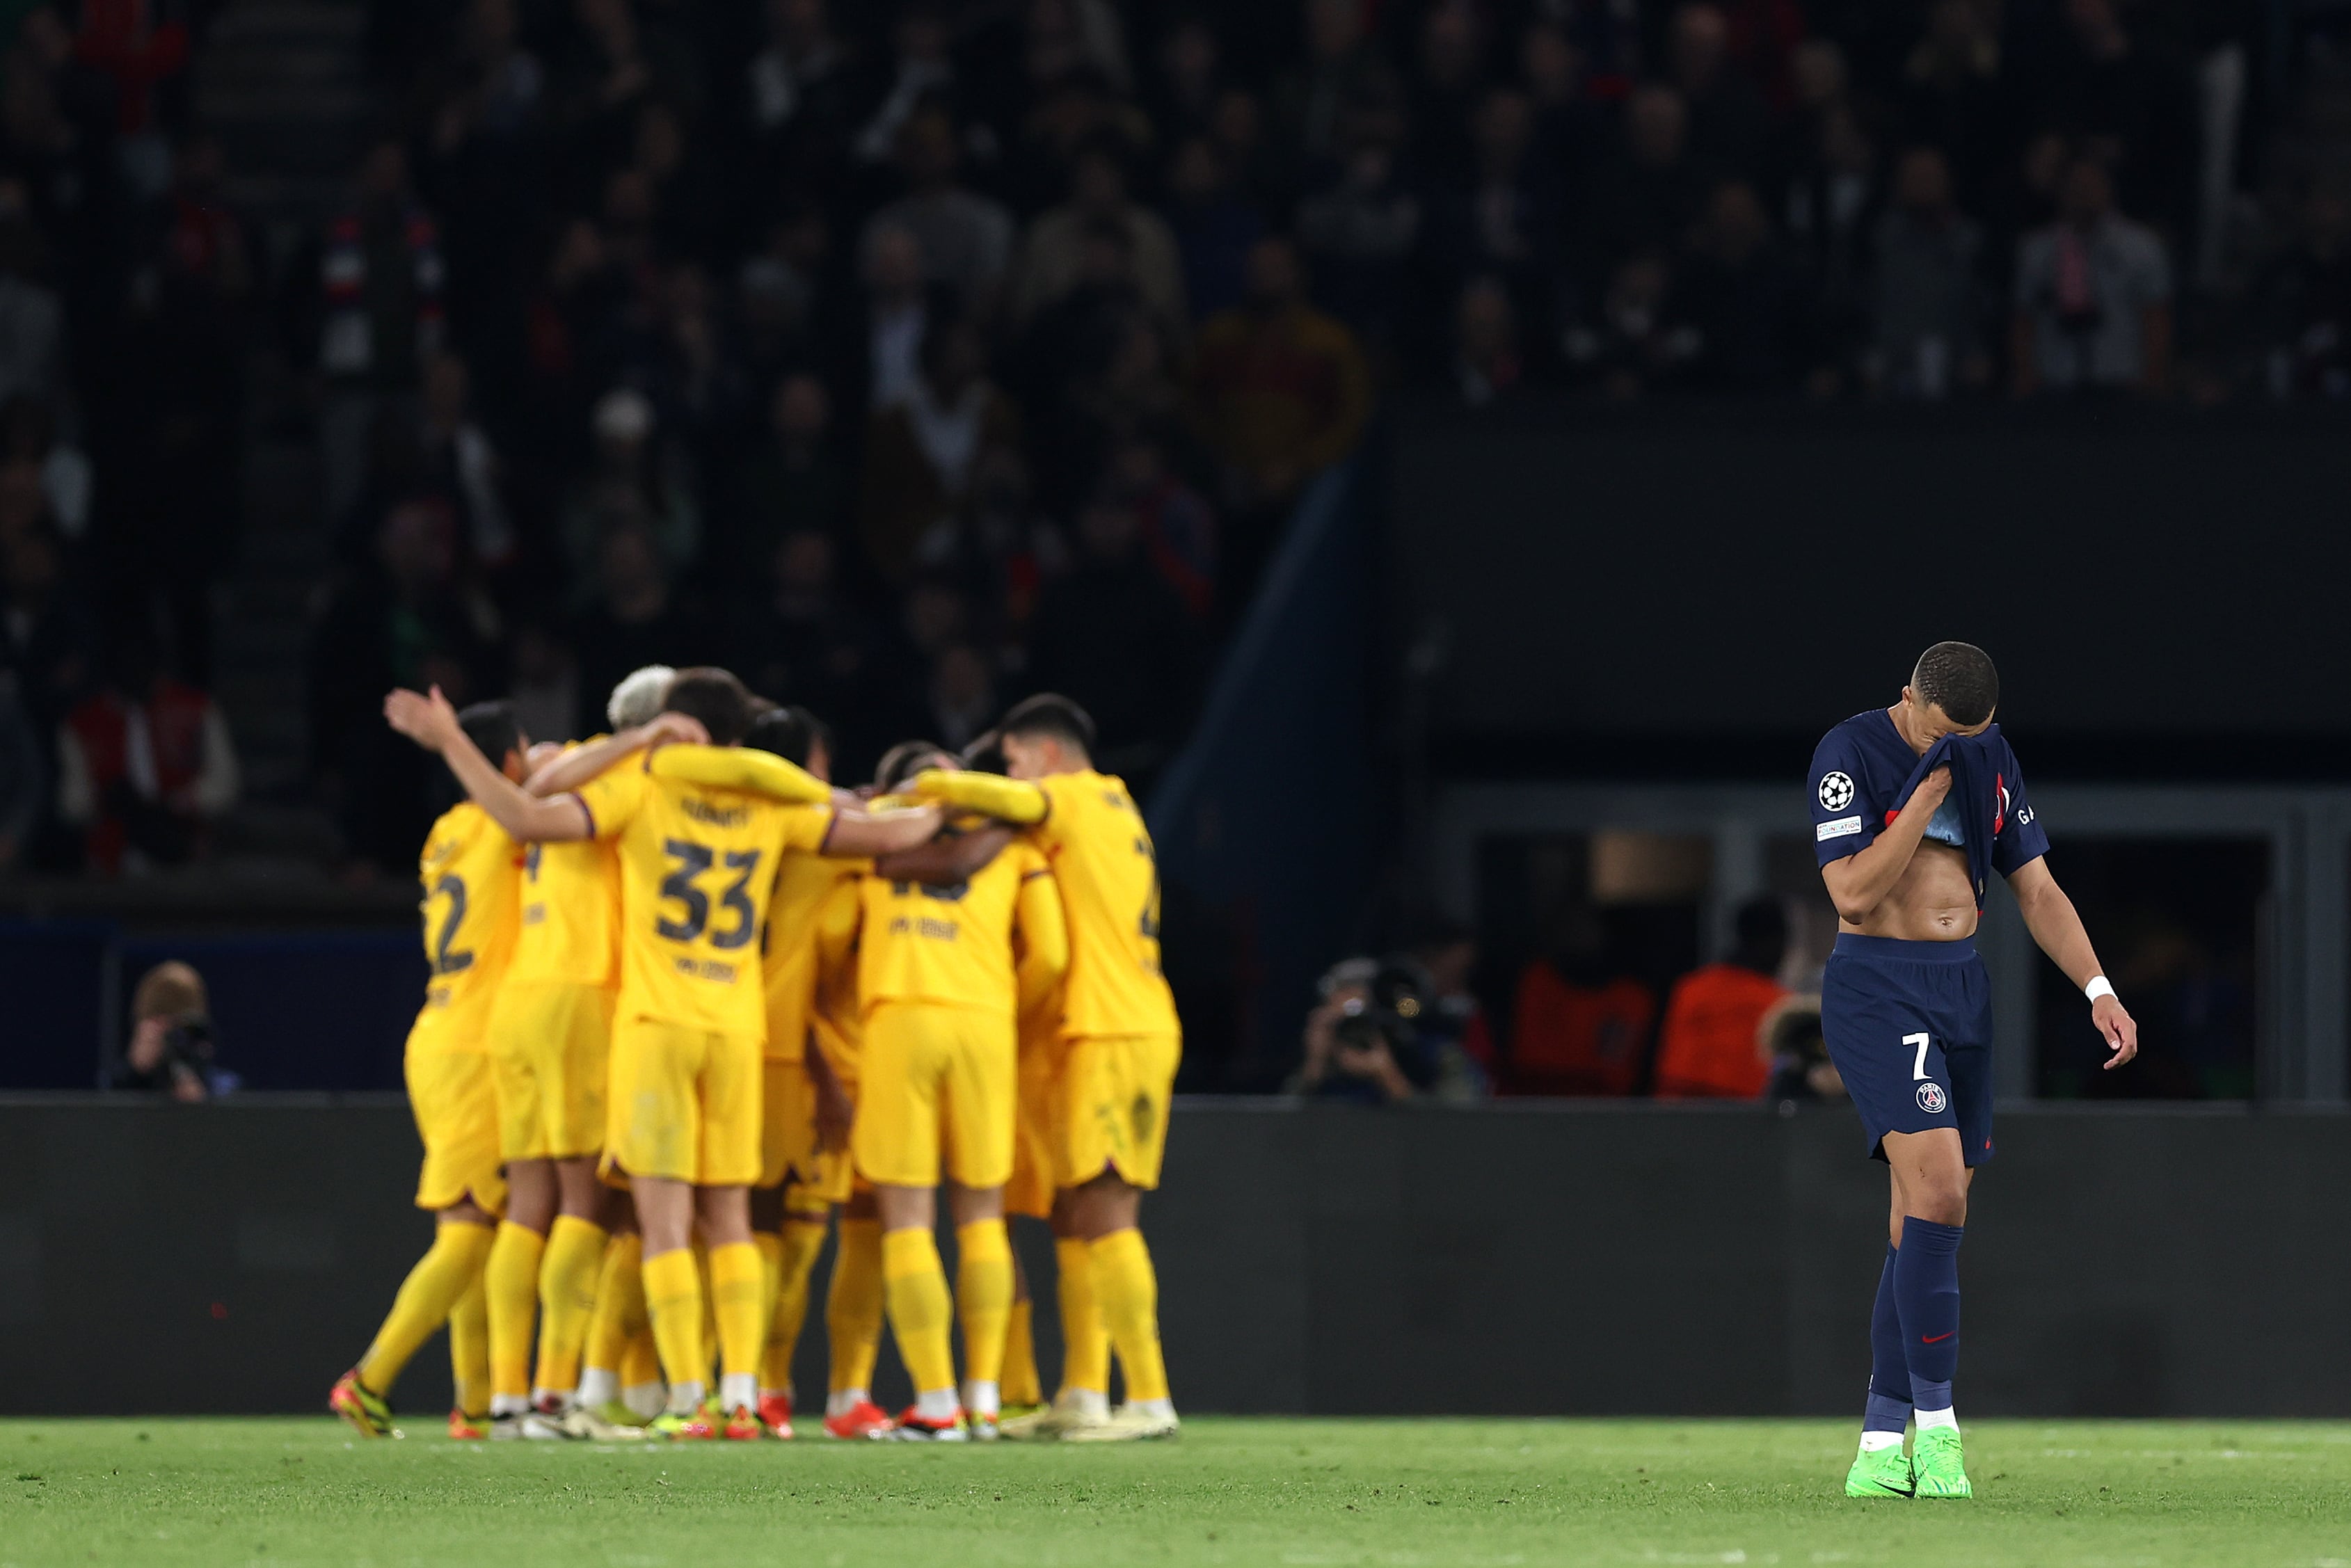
column 1324, row 1493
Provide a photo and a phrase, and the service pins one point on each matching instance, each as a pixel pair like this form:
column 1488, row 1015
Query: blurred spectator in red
column 144, row 766
column 1926, row 300
column 381, row 281
column 920, row 454
column 1179, row 526
column 2093, row 297
column 1577, row 1027
column 1279, row 390
column 966, row 238
column 1710, row 1047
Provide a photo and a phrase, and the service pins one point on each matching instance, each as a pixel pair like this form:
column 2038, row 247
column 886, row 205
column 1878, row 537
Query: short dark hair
column 1050, row 714
column 905, row 759
column 780, row 732
column 713, row 696
column 492, row 728
column 1957, row 677
column 985, row 754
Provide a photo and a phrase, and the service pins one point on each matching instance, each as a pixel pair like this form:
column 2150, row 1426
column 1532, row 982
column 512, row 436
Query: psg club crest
column 1837, row 791
column 1932, row 1098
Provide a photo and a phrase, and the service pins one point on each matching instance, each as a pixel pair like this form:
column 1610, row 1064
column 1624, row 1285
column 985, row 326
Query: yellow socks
column 567, row 1271
column 915, row 1283
column 852, row 1314
column 619, row 1316
column 447, row 1271
column 1085, row 1354
column 1019, row 1383
column 1128, row 1290
column 469, row 1350
column 673, row 1301
column 738, row 1299
column 796, row 1247
column 511, row 1278
column 983, row 1293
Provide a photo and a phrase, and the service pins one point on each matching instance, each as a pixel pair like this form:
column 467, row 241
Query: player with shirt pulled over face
column 1913, row 807
column 698, row 843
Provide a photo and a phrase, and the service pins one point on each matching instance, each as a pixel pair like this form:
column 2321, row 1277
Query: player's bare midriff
column 1934, row 902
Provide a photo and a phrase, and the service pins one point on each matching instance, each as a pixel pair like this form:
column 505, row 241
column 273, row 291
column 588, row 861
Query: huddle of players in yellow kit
column 672, row 966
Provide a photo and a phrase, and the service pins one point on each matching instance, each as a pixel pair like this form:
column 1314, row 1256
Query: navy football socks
column 1927, row 1299
column 1889, row 1370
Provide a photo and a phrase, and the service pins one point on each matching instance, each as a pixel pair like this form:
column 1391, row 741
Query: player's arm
column 1006, row 799
column 948, row 859
column 2057, row 926
column 1859, row 883
column 1044, row 931
column 858, row 835
column 432, row 723
column 741, row 768
column 576, row 766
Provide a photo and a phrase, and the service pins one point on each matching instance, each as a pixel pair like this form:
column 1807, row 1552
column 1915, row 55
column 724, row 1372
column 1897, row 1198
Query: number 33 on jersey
column 697, row 867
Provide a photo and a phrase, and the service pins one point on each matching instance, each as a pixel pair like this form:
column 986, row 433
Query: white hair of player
column 639, row 696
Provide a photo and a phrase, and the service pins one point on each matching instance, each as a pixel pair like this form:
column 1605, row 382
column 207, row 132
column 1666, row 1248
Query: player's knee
column 1938, row 1195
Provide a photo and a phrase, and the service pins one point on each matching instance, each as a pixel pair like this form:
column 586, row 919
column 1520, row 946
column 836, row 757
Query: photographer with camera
column 1367, row 1043
column 170, row 1049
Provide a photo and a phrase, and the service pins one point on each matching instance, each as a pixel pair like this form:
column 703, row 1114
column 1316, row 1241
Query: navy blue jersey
column 1863, row 772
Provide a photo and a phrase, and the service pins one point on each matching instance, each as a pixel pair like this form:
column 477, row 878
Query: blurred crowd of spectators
column 907, row 355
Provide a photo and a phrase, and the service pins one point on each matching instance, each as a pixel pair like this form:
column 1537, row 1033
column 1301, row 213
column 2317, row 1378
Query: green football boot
column 1879, row 1472
column 1937, row 1466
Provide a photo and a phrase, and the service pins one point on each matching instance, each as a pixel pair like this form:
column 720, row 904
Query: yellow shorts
column 1109, row 1107
column 550, row 1045
column 1031, row 1190
column 685, row 1103
column 786, row 1122
column 456, row 1111
column 928, row 1070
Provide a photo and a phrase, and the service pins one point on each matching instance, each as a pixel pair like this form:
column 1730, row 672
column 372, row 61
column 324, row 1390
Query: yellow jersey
column 570, row 915
column 470, row 872
column 838, row 1027
column 1109, row 875
column 698, row 868
column 951, row 943
column 788, row 953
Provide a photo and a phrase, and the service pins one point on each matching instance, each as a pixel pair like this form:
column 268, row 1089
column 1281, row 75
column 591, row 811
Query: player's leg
column 617, row 1320
column 510, row 1281
column 655, row 1135
column 462, row 1235
column 469, row 1365
column 1931, row 1182
column 853, row 1321
column 980, row 1112
column 799, row 1236
column 895, row 1144
column 731, row 1108
column 1130, row 1080
column 575, row 1054
column 1023, row 1393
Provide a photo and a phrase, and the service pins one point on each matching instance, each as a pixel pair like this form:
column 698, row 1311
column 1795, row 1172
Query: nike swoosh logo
column 1935, row 1338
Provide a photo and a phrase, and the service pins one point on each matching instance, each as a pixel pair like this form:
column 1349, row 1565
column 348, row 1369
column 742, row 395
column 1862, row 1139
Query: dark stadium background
column 1600, row 462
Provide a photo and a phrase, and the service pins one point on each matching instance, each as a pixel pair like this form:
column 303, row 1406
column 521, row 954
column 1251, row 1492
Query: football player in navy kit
column 1913, row 807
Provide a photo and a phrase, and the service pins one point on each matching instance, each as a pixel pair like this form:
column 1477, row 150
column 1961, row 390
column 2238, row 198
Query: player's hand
column 426, row 719
column 1932, row 790
column 682, row 728
column 2119, row 1030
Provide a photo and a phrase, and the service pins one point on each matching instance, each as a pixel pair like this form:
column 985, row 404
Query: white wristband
column 2099, row 986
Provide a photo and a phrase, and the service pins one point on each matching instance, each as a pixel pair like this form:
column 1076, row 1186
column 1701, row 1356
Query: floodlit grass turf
column 1238, row 1492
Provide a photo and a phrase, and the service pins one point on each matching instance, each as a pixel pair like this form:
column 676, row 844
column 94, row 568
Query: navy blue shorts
column 1908, row 1025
